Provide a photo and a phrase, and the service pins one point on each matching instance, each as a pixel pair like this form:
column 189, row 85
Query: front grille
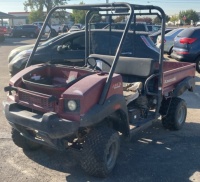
column 36, row 100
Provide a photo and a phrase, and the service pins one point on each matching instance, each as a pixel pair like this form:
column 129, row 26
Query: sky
column 169, row 6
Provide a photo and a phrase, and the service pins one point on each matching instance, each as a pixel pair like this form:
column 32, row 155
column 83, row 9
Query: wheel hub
column 112, row 152
column 181, row 115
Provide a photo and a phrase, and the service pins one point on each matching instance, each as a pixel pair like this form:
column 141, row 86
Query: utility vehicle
column 88, row 108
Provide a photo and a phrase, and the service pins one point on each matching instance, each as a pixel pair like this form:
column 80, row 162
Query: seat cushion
column 142, row 67
column 131, row 91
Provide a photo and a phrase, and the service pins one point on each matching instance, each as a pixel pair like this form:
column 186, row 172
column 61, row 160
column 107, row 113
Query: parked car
column 25, row 30
column 98, row 25
column 74, row 28
column 55, row 27
column 65, row 28
column 169, row 40
column 69, row 49
column 121, row 26
column 2, row 32
column 79, row 25
column 155, row 35
column 17, row 50
column 153, row 28
column 186, row 46
column 198, row 24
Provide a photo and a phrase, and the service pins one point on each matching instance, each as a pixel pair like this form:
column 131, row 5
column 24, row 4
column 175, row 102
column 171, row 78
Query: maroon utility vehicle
column 86, row 108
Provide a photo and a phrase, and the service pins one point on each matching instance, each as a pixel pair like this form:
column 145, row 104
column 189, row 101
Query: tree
column 78, row 16
column 119, row 19
column 158, row 21
column 174, row 18
column 167, row 18
column 36, row 16
column 39, row 5
column 190, row 15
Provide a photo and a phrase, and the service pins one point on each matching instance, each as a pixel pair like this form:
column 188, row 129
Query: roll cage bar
column 118, row 8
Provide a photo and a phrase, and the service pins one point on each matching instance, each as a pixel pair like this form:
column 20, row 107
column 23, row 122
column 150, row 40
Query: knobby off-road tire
column 176, row 116
column 23, row 142
column 100, row 151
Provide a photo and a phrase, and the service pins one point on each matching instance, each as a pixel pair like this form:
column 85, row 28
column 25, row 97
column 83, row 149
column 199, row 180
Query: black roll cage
column 119, row 7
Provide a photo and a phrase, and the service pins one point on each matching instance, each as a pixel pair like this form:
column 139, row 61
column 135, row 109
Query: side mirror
column 60, row 49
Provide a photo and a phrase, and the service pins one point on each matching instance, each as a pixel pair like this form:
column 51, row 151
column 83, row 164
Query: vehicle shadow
column 155, row 154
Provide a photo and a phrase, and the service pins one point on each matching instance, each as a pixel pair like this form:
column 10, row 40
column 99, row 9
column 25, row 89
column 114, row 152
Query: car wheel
column 170, row 51
column 32, row 35
column 198, row 64
column 100, row 151
column 174, row 112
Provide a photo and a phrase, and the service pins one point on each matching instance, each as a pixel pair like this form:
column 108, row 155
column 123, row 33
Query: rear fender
column 115, row 105
column 187, row 84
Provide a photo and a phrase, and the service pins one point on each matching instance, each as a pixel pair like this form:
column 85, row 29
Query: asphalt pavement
column 154, row 155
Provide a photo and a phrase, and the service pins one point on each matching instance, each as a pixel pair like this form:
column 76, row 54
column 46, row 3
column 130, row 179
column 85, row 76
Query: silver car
column 169, row 40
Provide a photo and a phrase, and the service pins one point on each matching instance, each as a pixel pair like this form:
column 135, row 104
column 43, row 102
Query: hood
column 17, row 50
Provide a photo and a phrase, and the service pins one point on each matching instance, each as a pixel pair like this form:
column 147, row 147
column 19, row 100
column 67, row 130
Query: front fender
column 99, row 112
column 187, row 84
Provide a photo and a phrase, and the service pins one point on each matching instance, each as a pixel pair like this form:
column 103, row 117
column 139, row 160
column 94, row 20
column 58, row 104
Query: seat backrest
column 142, row 67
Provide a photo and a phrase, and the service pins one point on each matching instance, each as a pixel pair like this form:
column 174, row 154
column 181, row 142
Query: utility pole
column 107, row 17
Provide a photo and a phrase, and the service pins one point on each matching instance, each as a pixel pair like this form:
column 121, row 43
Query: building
column 22, row 18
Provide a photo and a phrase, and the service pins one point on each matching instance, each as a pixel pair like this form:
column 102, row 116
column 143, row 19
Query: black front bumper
column 48, row 125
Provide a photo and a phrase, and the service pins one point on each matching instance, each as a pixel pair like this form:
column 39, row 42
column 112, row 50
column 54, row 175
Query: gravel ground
column 153, row 155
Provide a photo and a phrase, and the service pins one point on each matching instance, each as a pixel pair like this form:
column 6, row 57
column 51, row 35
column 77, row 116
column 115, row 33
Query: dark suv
column 186, row 46
column 25, row 30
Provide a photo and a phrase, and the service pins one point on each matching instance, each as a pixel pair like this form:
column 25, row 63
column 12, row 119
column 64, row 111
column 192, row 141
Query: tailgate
column 175, row 72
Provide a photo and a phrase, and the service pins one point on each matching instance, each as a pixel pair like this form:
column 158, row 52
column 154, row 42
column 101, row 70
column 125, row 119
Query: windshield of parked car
column 52, row 40
column 186, row 33
column 173, row 32
column 156, row 28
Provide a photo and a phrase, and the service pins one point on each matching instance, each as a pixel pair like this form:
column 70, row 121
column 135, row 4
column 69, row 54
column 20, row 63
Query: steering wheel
column 95, row 66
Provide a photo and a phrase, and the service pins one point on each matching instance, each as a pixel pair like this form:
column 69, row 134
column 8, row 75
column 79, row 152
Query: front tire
column 23, row 142
column 177, row 112
column 100, row 151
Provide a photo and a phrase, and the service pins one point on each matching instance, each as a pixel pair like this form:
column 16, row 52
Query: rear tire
column 176, row 116
column 100, row 151
column 198, row 64
column 23, row 142
column 170, row 51
column 32, row 35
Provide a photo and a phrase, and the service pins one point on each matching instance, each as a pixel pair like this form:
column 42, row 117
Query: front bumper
column 48, row 124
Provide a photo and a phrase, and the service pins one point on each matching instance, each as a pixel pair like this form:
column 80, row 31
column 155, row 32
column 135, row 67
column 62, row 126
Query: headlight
column 72, row 105
column 25, row 53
